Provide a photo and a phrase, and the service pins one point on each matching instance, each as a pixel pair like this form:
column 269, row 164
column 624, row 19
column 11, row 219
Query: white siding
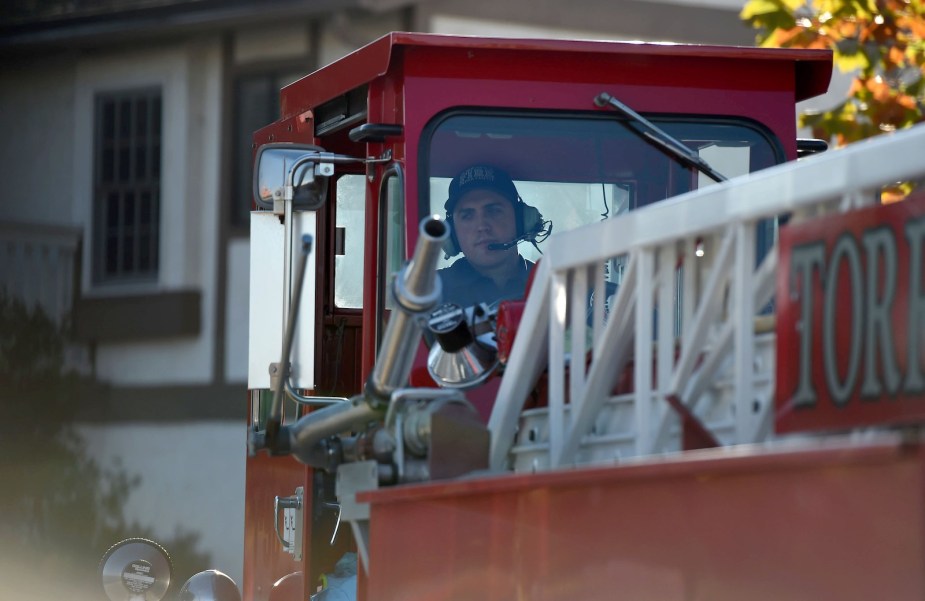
column 190, row 80
column 236, row 311
column 192, row 479
column 451, row 24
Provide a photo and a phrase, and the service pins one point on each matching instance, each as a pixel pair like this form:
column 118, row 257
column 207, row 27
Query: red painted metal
column 694, row 434
column 841, row 523
column 870, row 358
column 509, row 315
column 468, row 539
column 366, row 64
column 290, row 586
column 265, row 561
column 412, row 78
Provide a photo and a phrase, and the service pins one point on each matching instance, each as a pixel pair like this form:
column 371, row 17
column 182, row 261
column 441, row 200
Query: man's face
column 484, row 217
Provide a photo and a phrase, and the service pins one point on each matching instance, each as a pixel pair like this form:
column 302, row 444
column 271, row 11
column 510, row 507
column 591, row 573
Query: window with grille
column 127, row 175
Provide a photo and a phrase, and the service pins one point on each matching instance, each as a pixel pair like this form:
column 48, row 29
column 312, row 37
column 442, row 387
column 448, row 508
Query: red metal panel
column 841, row 524
column 810, row 76
column 650, row 78
column 265, row 561
column 850, row 343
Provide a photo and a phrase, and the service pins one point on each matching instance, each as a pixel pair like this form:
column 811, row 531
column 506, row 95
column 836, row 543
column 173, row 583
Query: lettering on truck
column 851, row 314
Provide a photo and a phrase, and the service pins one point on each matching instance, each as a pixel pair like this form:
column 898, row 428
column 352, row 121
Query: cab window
column 391, row 241
column 577, row 168
column 350, row 223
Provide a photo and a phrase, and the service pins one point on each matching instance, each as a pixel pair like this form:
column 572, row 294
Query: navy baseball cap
column 480, row 177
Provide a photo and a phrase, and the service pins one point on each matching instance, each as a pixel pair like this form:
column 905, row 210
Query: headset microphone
column 536, row 234
column 507, row 245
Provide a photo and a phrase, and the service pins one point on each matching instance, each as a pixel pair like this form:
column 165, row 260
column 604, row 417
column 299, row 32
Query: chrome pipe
column 416, row 290
column 309, row 430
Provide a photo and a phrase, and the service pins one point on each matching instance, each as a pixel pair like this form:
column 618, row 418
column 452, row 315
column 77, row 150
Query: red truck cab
column 414, row 110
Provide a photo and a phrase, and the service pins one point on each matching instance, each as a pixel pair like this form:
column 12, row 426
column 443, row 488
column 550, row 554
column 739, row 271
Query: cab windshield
column 579, row 168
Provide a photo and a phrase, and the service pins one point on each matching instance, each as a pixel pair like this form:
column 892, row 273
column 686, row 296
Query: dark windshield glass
column 576, row 169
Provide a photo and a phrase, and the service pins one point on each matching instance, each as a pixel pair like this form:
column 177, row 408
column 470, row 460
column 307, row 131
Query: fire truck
column 711, row 388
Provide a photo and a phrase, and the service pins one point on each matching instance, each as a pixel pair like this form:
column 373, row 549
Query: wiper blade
column 661, row 138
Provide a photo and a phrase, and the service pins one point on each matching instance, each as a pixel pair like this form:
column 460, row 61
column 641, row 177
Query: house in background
column 126, row 165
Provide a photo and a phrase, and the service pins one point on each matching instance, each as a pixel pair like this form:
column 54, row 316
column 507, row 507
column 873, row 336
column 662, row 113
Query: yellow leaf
column 891, row 194
column 865, row 9
column 754, row 8
column 828, row 6
column 851, row 62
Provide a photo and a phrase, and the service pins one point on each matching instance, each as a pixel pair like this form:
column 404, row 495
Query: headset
column 530, row 225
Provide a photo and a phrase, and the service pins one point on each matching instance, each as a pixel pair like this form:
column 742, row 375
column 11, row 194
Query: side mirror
column 301, row 166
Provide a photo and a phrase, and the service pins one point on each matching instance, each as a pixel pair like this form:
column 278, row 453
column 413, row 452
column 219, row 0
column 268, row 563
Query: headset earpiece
column 530, row 219
column 451, row 244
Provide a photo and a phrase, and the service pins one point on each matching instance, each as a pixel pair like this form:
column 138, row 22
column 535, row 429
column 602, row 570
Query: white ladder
column 721, row 363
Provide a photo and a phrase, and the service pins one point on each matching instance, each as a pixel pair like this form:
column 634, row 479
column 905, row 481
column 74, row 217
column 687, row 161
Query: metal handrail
column 655, row 239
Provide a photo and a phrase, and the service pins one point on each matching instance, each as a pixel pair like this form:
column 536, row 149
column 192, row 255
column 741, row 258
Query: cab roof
column 812, row 68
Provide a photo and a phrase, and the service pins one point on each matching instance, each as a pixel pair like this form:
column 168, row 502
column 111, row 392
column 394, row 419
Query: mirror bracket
column 295, row 174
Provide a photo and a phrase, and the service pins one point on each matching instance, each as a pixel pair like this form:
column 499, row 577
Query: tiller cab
column 709, row 385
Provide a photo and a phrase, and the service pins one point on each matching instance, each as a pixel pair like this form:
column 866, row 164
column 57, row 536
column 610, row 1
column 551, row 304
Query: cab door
column 339, row 372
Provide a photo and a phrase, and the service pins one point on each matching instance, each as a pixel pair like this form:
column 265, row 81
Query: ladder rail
column 713, row 309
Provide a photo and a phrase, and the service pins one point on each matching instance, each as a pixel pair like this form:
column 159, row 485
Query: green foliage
column 59, row 510
column 882, row 42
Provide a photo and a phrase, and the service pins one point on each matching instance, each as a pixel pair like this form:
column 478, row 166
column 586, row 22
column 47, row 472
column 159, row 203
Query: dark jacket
column 463, row 285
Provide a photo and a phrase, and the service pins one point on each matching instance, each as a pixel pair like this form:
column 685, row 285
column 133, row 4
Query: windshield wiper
column 661, row 138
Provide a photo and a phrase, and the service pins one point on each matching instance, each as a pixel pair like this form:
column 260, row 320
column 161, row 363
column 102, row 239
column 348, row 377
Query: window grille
column 127, row 177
